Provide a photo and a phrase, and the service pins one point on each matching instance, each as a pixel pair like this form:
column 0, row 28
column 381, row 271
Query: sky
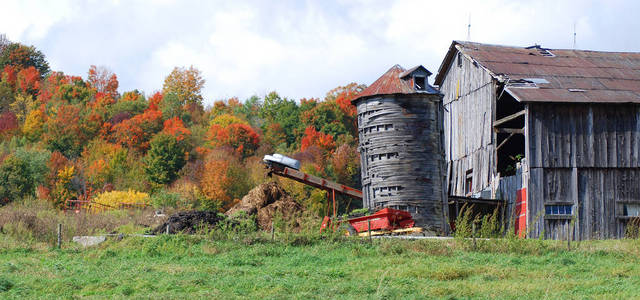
column 301, row 49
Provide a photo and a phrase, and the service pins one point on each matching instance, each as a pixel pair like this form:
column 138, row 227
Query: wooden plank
column 509, row 130
column 589, row 140
column 508, row 118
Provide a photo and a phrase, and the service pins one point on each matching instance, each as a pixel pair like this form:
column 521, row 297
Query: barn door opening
column 509, row 129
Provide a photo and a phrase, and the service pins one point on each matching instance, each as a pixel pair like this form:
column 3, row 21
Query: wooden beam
column 510, row 130
column 505, row 141
column 508, row 118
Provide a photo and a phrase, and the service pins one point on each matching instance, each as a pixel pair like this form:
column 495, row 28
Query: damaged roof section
column 536, row 74
column 397, row 80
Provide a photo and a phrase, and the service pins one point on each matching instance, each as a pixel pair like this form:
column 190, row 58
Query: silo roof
column 392, row 82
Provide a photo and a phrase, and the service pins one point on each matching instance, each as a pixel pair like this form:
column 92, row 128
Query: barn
column 556, row 133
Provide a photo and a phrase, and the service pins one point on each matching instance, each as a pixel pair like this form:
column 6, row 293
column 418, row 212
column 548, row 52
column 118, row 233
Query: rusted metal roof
column 395, row 81
column 581, row 76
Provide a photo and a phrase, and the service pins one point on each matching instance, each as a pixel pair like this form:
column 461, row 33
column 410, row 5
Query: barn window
column 558, row 209
column 419, row 83
column 631, row 210
column 459, row 60
column 468, row 182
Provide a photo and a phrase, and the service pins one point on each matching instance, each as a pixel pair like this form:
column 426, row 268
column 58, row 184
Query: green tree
column 21, row 56
column 165, row 158
column 21, row 172
column 284, row 112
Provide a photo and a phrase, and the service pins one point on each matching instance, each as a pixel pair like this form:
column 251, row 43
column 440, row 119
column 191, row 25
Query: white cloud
column 300, row 49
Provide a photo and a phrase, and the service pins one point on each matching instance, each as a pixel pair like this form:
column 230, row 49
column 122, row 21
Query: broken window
column 419, row 83
column 459, row 60
column 468, row 182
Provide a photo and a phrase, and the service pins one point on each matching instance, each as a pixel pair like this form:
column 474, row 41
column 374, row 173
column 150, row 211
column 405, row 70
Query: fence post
column 168, row 224
column 473, row 235
column 273, row 231
column 59, row 244
column 568, row 237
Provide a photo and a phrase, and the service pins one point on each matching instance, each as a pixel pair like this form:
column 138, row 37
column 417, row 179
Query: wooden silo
column 401, row 146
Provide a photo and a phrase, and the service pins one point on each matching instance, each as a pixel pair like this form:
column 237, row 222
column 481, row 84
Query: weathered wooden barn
column 400, row 144
column 554, row 132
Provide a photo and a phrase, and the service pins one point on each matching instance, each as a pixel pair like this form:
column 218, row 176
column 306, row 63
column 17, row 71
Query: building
column 400, row 131
column 558, row 131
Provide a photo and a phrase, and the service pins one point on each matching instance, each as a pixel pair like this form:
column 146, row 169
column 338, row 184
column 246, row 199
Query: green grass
column 189, row 267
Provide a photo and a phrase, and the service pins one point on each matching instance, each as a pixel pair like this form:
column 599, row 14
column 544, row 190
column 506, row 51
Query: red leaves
column 8, row 123
column 103, row 81
column 175, row 127
column 241, row 137
column 136, row 132
column 316, row 138
column 28, row 80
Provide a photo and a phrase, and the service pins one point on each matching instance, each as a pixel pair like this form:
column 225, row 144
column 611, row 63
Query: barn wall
column 584, row 155
column 469, row 93
column 402, row 157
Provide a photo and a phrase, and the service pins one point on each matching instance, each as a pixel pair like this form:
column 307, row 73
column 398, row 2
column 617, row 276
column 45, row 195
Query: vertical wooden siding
column 469, row 93
column 584, row 154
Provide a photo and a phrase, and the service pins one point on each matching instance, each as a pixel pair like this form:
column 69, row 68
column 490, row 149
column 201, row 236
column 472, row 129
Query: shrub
column 117, row 199
column 21, row 172
column 165, row 158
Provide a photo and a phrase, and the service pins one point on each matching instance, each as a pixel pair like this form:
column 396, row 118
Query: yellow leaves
column 33, row 124
column 184, row 83
column 120, row 199
column 65, row 174
column 225, row 120
column 22, row 105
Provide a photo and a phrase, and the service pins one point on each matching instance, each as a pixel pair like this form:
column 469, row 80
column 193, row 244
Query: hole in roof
column 577, row 90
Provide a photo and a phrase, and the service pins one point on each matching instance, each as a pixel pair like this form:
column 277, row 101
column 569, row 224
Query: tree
column 8, row 124
column 224, row 179
column 136, row 132
column 33, row 124
column 186, row 84
column 62, row 131
column 312, row 137
column 15, row 180
column 22, row 57
column 241, row 137
column 103, row 81
column 165, row 158
column 284, row 112
column 175, row 127
column 21, row 172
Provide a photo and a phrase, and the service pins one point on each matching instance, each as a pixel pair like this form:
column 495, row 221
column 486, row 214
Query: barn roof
column 536, row 74
column 395, row 81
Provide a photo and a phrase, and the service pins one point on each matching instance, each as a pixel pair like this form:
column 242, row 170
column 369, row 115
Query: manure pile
column 267, row 200
column 264, row 202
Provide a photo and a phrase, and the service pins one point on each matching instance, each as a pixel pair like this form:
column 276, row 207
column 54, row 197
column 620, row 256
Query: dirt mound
column 267, row 200
column 188, row 222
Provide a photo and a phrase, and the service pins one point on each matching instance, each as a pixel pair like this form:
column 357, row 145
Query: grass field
column 192, row 267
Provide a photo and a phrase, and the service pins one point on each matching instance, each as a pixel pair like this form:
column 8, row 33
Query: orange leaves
column 316, row 138
column 216, row 180
column 175, row 127
column 28, row 80
column 241, row 137
column 136, row 132
column 103, row 81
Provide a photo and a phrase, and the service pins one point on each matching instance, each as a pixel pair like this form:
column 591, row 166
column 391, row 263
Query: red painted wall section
column 521, row 212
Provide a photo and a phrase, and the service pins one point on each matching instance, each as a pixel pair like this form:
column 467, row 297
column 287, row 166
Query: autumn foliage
column 67, row 137
column 240, row 137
